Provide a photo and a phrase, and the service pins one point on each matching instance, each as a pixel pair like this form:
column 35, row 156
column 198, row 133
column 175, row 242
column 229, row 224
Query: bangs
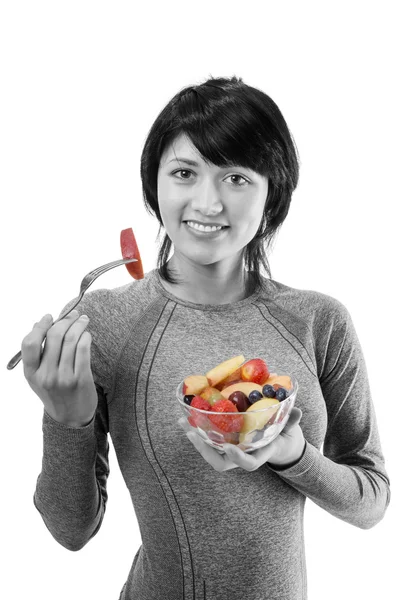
column 226, row 131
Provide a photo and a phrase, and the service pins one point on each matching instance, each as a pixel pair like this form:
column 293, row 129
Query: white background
column 82, row 83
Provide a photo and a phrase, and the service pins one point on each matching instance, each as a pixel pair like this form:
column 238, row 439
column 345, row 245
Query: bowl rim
column 293, row 393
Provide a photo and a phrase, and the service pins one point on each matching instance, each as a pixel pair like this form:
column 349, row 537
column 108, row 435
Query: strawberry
column 198, row 419
column 227, row 423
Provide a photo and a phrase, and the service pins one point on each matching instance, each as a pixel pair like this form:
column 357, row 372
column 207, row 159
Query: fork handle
column 17, row 358
column 14, row 361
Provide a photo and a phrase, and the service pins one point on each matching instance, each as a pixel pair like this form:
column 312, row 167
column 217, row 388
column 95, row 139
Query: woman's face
column 232, row 196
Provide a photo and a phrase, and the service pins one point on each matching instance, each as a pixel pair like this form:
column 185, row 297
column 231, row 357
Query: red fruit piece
column 198, row 419
column 227, row 423
column 254, row 370
column 199, row 402
column 130, row 249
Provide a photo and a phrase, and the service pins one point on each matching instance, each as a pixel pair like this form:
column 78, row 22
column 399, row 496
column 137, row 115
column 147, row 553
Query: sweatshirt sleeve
column 348, row 479
column 71, row 490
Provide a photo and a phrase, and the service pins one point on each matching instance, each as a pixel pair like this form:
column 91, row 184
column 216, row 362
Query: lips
column 210, row 234
column 208, row 224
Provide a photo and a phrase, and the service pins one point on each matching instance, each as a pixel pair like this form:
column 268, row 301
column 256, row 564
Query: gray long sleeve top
column 208, row 535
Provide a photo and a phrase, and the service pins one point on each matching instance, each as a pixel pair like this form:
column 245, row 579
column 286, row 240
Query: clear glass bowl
column 262, row 426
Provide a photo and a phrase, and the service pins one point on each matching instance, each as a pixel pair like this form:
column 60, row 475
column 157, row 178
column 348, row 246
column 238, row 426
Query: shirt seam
column 123, row 344
column 313, row 362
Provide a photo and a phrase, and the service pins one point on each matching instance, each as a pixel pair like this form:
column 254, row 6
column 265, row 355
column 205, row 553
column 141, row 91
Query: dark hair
column 228, row 122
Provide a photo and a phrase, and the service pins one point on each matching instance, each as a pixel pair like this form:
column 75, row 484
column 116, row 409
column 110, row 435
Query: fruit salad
column 236, row 393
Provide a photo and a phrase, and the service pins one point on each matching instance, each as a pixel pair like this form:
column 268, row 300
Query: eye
column 181, row 171
column 235, row 175
column 241, row 177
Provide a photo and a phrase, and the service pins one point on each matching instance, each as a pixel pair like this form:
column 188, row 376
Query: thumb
column 294, row 418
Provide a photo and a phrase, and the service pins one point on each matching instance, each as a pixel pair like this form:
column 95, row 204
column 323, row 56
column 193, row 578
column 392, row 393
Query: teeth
column 202, row 228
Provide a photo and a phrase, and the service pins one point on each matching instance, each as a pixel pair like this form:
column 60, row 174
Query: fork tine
column 104, row 268
column 92, row 276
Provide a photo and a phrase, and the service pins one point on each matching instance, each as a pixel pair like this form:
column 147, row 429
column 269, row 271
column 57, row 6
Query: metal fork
column 85, row 284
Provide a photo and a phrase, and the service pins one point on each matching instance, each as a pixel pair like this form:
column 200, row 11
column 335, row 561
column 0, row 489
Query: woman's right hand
column 61, row 376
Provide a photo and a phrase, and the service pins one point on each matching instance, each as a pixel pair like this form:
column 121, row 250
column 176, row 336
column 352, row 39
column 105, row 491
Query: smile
column 204, row 227
column 200, row 231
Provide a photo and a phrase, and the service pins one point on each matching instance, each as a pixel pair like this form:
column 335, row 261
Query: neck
column 209, row 284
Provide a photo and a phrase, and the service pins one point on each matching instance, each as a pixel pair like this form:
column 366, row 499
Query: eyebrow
column 192, row 163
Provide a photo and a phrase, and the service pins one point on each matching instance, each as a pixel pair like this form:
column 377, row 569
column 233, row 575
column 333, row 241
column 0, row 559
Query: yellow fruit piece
column 194, row 384
column 258, row 420
column 241, row 386
column 224, row 369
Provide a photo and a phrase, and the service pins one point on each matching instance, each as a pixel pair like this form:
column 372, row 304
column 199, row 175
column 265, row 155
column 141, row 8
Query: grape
column 240, row 400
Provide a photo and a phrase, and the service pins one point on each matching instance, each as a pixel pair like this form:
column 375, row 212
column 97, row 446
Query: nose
column 206, row 199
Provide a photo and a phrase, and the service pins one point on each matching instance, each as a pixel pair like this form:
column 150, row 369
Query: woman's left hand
column 284, row 450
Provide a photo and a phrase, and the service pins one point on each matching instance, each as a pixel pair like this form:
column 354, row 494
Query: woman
column 213, row 526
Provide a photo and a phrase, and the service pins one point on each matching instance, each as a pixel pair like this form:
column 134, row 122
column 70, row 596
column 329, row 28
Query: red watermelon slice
column 130, row 250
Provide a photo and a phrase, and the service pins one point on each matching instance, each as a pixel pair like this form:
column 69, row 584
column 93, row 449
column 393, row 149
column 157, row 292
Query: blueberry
column 268, row 391
column 281, row 394
column 188, row 399
column 254, row 396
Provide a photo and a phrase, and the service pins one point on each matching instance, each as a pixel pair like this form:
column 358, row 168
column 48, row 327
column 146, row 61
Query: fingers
column 61, row 341
column 245, row 460
column 214, row 457
column 54, row 342
column 31, row 345
column 210, row 454
column 252, row 461
column 294, row 418
column 82, row 355
column 74, row 348
column 234, row 456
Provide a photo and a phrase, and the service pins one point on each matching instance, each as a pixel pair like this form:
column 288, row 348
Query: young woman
column 218, row 168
